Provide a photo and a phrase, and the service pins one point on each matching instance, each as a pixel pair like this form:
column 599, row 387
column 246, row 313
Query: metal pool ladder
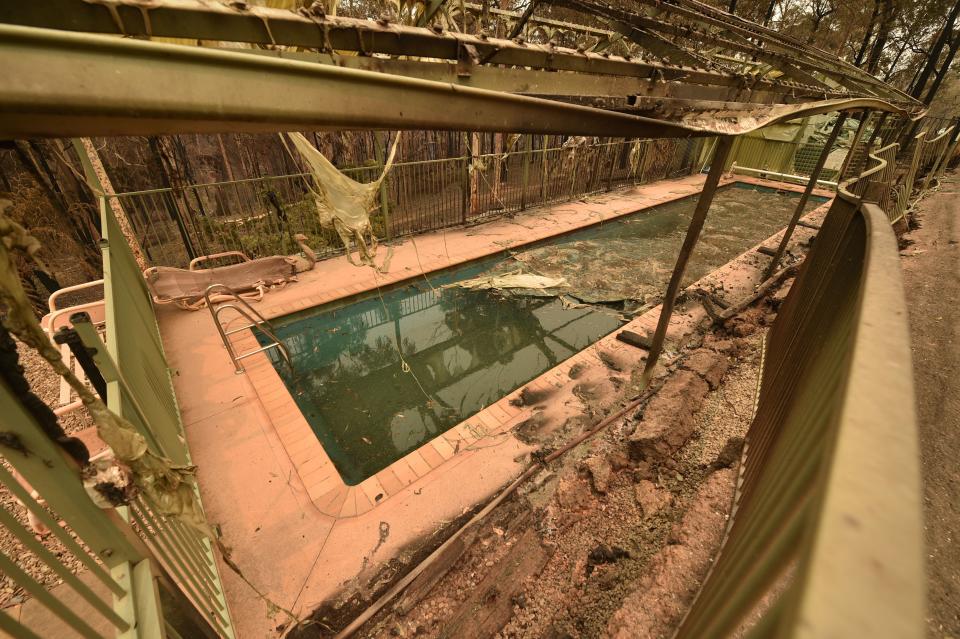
column 248, row 313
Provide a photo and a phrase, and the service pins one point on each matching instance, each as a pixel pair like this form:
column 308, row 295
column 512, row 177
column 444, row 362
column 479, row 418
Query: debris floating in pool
column 468, row 347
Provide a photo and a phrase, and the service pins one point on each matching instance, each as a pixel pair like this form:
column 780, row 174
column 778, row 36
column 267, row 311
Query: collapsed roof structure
column 682, row 68
column 659, row 69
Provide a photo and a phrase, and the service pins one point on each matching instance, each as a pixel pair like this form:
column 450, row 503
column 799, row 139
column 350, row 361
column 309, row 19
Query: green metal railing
column 260, row 216
column 902, row 170
column 825, row 537
column 883, row 170
column 143, row 574
column 932, row 153
column 794, row 160
column 140, row 388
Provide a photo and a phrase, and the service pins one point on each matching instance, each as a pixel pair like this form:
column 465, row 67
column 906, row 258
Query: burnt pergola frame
column 691, row 70
column 90, row 67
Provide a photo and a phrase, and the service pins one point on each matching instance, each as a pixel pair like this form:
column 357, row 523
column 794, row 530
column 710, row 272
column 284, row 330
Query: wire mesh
column 260, row 216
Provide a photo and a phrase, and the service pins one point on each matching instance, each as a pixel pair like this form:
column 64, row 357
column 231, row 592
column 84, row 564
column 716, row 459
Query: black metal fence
column 259, row 216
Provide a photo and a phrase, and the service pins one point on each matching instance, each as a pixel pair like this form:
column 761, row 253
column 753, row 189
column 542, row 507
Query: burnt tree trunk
column 34, row 160
column 944, row 69
column 887, row 15
column 920, row 82
column 768, row 15
column 864, row 45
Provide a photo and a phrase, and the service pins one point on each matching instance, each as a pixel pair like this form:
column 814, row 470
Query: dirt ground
column 614, row 538
column 931, row 268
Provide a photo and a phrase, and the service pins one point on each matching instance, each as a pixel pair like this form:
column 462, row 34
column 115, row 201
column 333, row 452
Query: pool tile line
column 319, row 476
column 321, row 480
column 627, row 205
column 301, row 538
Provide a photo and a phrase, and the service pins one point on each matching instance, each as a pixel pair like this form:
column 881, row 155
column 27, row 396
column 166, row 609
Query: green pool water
column 466, row 349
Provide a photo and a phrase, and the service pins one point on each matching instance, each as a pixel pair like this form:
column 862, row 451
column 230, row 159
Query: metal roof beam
column 98, row 86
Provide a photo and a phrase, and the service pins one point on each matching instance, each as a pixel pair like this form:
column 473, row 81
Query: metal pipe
column 828, row 145
column 69, row 337
column 876, row 130
column 861, row 127
column 689, row 242
column 735, row 168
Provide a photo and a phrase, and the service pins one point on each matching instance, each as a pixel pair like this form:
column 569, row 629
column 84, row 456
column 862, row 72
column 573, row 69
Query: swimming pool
column 377, row 377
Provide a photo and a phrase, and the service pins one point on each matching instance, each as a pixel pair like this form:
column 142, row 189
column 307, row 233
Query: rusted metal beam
column 278, row 29
column 430, row 10
column 718, row 117
column 706, row 16
column 542, row 83
column 802, row 202
column 538, row 21
column 271, row 28
column 517, row 27
column 98, row 87
column 199, row 89
column 720, row 155
column 660, row 46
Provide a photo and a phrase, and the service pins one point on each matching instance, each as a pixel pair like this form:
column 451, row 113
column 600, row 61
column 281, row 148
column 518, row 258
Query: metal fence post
column 943, row 157
column 573, row 179
column 381, row 152
column 689, row 242
column 527, row 153
column 614, row 154
column 814, row 176
column 876, row 130
column 543, row 168
column 465, row 189
column 848, row 161
column 594, row 181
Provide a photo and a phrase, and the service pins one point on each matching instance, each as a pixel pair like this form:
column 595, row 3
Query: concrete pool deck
column 298, row 532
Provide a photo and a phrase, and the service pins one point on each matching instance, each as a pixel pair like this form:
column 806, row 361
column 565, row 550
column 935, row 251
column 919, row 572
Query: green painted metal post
column 57, row 479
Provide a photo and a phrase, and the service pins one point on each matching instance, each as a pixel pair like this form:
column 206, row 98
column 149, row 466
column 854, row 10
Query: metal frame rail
column 827, row 515
column 482, row 83
column 145, row 574
column 830, row 483
column 247, row 312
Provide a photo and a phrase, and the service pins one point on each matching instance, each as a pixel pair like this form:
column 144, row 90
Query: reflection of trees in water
column 480, row 324
column 410, row 429
column 368, row 411
column 352, row 330
column 494, row 327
